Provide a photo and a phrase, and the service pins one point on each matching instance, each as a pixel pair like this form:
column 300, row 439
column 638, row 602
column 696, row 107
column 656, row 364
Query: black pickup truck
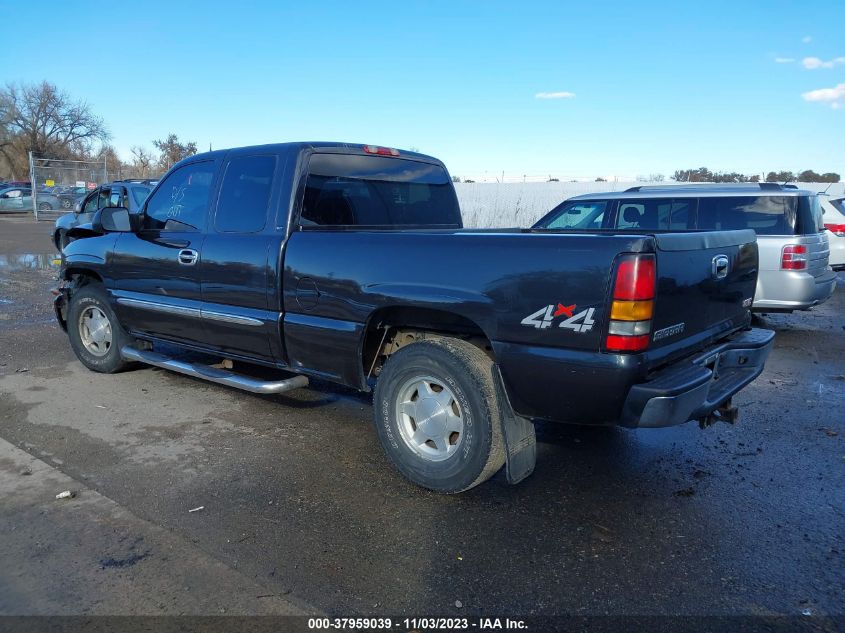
column 349, row 264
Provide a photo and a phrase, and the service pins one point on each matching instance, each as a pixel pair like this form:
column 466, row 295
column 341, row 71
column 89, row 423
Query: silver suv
column 793, row 244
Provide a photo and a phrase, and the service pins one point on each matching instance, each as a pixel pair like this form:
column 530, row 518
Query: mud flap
column 520, row 439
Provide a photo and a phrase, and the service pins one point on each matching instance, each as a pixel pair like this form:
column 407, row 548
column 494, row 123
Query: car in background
column 129, row 194
column 19, row 199
column 69, row 195
column 793, row 243
column 834, row 221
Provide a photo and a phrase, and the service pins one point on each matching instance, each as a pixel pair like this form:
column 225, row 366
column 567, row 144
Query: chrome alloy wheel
column 430, row 419
column 95, row 331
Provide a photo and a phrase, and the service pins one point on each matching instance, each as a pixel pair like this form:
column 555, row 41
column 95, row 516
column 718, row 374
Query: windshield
column 574, row 215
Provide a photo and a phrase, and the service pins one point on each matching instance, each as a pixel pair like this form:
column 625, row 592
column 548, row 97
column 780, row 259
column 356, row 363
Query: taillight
column 633, row 304
column 381, row 151
column 793, row 257
column 836, row 229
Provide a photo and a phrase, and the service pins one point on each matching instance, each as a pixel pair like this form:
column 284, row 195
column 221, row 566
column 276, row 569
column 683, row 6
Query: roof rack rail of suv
column 765, row 186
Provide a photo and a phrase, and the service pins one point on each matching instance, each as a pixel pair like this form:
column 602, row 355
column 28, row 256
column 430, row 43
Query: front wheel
column 95, row 334
column 45, row 206
column 437, row 416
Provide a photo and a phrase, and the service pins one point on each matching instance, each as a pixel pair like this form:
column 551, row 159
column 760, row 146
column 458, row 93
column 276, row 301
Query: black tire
column 67, row 203
column 91, row 300
column 467, row 373
column 45, row 206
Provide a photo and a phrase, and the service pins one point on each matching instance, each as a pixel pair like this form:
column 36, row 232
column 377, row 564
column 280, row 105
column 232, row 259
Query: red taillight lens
column 635, row 278
column 793, row 257
column 836, row 229
column 618, row 343
column 633, row 304
column 381, row 151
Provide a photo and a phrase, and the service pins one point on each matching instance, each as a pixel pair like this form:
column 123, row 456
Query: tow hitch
column 725, row 413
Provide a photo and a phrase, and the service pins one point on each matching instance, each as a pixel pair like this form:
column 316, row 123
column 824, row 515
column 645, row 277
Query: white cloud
column 811, row 63
column 784, row 60
column 834, row 96
column 554, row 95
column 807, row 39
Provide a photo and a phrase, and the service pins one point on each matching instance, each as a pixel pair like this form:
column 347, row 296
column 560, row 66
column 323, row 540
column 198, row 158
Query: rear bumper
column 695, row 388
column 788, row 290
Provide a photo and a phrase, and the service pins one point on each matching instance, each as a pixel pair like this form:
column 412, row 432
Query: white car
column 834, row 221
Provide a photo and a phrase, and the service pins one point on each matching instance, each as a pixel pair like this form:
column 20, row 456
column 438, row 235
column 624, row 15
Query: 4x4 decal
column 543, row 318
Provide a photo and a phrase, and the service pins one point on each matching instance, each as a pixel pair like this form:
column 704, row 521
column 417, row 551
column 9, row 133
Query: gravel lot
column 301, row 512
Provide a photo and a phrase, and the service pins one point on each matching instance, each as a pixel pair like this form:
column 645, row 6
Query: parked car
column 20, row 199
column 348, row 263
column 834, row 221
column 69, row 196
column 121, row 193
column 794, row 248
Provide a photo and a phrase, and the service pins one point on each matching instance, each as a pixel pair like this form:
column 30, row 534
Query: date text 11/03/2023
column 412, row 624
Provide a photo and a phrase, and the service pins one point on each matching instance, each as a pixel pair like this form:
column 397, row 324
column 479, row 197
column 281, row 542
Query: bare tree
column 172, row 151
column 142, row 161
column 44, row 120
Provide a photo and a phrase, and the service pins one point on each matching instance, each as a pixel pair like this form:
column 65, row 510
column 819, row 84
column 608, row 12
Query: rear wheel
column 45, row 206
column 95, row 334
column 437, row 416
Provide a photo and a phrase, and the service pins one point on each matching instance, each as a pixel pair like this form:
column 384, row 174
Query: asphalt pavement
column 301, row 512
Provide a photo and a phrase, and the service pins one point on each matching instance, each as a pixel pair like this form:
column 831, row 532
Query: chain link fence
column 57, row 185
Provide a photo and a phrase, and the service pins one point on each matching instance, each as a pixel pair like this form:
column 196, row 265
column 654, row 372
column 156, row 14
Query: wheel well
column 82, row 276
column 390, row 329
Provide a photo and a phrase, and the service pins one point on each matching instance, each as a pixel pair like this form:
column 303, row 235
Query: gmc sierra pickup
column 349, row 263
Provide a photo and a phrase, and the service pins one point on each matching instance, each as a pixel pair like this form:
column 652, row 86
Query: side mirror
column 114, row 220
column 77, row 208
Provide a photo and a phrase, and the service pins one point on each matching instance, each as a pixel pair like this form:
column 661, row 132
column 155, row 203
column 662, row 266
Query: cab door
column 156, row 270
column 239, row 256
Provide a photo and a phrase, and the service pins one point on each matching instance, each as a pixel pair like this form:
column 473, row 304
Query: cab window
column 181, row 201
column 245, row 194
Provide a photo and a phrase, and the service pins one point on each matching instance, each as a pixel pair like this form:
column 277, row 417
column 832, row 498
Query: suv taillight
column 793, row 257
column 836, row 229
column 633, row 304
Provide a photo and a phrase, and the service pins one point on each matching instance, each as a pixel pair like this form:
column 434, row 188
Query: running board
column 205, row 372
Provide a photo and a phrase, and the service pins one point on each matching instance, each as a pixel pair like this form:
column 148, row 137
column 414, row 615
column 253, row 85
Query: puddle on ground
column 30, row 261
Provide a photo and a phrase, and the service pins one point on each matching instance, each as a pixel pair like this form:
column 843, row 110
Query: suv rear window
column 767, row 215
column 377, row 191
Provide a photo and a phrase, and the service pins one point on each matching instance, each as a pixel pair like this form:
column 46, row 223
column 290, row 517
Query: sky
column 572, row 90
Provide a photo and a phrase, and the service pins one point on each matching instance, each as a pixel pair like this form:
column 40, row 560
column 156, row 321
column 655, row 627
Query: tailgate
column 705, row 287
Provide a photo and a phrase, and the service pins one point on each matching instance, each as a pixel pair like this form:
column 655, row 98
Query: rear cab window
column 346, row 190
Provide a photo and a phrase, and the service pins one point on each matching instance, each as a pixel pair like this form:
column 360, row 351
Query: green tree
column 780, row 176
column 171, row 151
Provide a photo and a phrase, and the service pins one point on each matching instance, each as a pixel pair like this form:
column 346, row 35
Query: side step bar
column 222, row 376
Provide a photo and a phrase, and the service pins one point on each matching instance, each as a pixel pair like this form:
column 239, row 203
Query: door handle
column 188, row 257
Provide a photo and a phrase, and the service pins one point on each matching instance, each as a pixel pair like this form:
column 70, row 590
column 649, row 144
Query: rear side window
column 651, row 214
column 377, row 191
column 767, row 215
column 245, row 194
column 586, row 215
